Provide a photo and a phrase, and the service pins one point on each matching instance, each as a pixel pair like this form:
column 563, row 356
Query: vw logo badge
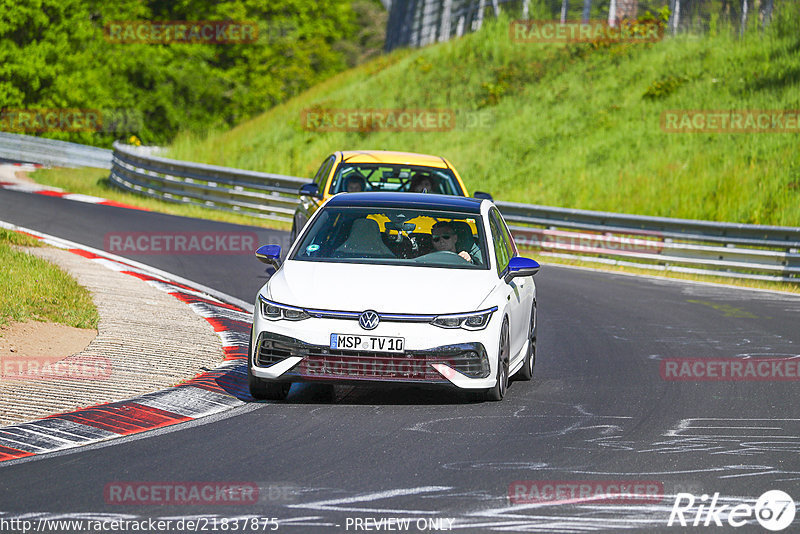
column 369, row 320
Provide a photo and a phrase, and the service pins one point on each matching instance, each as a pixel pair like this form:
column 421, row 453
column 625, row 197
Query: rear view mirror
column 482, row 195
column 406, row 227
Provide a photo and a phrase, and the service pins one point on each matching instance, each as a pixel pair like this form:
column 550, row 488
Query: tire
column 325, row 393
column 526, row 371
column 262, row 389
column 497, row 392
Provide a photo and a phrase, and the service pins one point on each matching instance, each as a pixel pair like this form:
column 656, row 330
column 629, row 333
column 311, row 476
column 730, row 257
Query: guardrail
column 52, row 152
column 660, row 243
column 656, row 243
column 259, row 194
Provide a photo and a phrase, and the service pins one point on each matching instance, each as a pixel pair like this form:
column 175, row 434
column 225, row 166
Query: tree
column 53, row 54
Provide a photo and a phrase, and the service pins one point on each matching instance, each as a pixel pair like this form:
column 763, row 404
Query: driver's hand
column 464, row 254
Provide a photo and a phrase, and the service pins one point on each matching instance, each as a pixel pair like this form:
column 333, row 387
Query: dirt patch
column 147, row 340
column 9, row 173
column 23, row 177
column 31, row 343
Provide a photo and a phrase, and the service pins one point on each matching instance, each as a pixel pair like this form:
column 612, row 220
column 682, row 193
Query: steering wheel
column 443, row 254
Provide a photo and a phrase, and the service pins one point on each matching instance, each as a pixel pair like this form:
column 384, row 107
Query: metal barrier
column 51, row 152
column 661, row 243
column 259, row 194
column 656, row 243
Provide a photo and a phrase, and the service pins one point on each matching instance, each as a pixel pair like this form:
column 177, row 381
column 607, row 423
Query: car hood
column 383, row 288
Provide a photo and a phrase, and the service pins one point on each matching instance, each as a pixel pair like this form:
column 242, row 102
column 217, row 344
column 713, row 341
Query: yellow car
column 377, row 170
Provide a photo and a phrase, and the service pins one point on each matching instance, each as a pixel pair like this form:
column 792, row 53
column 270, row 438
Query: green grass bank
column 573, row 125
column 32, row 289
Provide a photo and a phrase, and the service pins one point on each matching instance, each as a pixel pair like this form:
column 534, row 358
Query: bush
column 53, row 55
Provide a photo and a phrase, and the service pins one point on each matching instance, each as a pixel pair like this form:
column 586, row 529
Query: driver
column 355, row 183
column 444, row 240
column 421, row 183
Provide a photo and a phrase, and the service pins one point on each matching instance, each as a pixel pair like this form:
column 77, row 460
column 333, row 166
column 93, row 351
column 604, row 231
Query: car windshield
column 354, row 177
column 395, row 236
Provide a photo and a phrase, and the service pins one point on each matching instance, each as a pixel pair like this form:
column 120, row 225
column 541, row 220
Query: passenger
column 465, row 241
column 355, row 183
column 421, row 183
column 444, row 239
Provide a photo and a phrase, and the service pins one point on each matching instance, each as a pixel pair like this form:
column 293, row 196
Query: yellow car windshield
column 357, row 177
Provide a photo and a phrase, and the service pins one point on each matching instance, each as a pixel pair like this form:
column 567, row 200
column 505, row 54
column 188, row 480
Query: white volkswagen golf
column 386, row 287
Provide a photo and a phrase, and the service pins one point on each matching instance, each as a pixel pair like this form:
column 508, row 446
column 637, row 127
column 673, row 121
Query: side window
column 323, row 172
column 501, row 248
column 319, row 171
column 507, row 237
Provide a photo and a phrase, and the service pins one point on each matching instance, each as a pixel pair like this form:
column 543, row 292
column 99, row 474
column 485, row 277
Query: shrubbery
column 53, row 55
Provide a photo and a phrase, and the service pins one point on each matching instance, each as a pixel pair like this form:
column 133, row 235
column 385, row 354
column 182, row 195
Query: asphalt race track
column 598, row 409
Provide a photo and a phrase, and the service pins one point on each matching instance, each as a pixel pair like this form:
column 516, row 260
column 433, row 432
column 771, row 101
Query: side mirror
column 519, row 266
column 270, row 254
column 482, row 195
column 310, row 190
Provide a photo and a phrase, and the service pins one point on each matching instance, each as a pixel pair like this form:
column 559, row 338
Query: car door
column 517, row 290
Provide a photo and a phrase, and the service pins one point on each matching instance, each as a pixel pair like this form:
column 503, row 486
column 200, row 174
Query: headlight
column 275, row 312
column 468, row 321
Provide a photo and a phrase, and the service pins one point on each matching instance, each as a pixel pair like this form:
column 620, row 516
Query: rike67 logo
column 774, row 511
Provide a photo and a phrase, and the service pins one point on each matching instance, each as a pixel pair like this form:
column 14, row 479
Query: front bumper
column 287, row 359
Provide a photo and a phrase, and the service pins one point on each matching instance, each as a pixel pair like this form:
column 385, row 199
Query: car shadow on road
column 387, row 395
column 232, row 380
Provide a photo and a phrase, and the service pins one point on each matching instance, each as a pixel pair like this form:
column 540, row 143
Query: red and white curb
column 53, row 192
column 24, row 166
column 208, row 393
column 38, row 189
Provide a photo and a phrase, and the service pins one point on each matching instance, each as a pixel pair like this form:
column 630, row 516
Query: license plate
column 367, row 343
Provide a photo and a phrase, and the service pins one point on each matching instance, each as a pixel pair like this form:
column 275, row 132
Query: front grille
column 323, row 362
column 272, row 351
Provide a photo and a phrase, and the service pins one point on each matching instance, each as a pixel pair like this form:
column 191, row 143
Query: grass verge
column 572, row 125
column 32, row 289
